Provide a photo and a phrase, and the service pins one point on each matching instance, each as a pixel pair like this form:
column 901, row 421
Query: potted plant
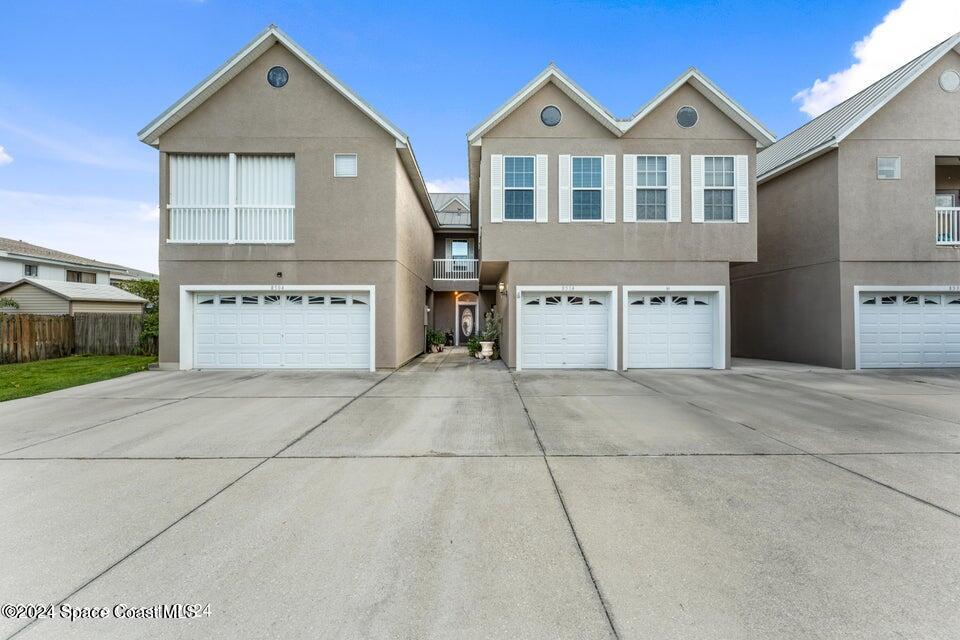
column 435, row 338
column 473, row 346
column 492, row 321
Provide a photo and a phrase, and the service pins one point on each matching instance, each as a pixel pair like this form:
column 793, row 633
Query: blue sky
column 78, row 80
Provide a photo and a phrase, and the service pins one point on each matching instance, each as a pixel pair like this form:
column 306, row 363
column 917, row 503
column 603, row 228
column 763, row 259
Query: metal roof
column 79, row 290
column 451, row 218
column 827, row 130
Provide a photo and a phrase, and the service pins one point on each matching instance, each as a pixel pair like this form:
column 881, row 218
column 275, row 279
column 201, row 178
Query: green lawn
column 32, row 378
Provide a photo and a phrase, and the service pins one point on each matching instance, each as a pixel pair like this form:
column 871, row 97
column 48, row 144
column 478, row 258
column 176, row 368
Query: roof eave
column 816, row 152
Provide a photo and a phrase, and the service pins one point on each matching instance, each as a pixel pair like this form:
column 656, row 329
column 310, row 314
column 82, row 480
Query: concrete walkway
column 454, row 498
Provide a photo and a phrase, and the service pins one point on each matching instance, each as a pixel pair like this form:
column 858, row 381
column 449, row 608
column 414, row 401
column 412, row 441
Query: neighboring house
column 457, row 303
column 296, row 229
column 20, row 259
column 859, row 236
column 57, row 297
column 610, row 240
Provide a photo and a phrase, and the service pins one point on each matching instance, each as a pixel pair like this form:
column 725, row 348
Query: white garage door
column 310, row 330
column 671, row 330
column 565, row 331
column 909, row 330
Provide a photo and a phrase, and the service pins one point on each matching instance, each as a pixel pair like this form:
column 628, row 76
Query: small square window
column 31, row 270
column 888, row 168
column 345, row 165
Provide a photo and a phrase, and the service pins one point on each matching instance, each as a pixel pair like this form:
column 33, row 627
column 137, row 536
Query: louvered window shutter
column 563, row 195
column 742, row 182
column 496, row 188
column 673, row 188
column 540, row 197
column 696, row 188
column 630, row 188
column 610, row 188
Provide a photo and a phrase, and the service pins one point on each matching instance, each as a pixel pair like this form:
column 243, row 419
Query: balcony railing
column 948, row 226
column 242, row 224
column 455, row 269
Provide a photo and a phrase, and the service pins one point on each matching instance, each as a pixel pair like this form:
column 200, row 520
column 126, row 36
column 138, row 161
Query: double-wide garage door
column 662, row 329
column 904, row 330
column 308, row 330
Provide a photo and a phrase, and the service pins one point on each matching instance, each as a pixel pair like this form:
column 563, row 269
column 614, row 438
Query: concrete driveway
column 456, row 499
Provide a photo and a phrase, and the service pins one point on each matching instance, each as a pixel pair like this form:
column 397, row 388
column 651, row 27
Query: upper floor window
column 229, row 198
column 85, row 277
column 518, row 188
column 718, row 192
column 888, row 168
column 651, row 187
column 587, row 186
column 31, row 270
column 345, row 165
column 459, row 249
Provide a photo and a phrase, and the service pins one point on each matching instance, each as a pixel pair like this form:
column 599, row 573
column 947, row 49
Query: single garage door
column 909, row 330
column 671, row 330
column 565, row 331
column 309, row 330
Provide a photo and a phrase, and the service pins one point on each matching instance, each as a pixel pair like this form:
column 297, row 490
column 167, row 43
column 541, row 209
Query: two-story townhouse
column 609, row 241
column 19, row 259
column 296, row 229
column 859, row 229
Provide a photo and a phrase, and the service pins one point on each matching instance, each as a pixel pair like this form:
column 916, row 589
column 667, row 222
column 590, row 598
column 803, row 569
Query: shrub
column 436, row 337
column 150, row 291
column 473, row 345
column 9, row 303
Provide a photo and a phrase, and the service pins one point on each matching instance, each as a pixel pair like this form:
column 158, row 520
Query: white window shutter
column 610, row 188
column 696, row 188
column 496, row 188
column 742, row 181
column 630, row 188
column 673, row 188
column 540, row 196
column 565, row 168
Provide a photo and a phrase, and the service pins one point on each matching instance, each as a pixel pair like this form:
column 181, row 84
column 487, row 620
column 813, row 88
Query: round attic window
column 950, row 80
column 277, row 77
column 687, row 117
column 550, row 116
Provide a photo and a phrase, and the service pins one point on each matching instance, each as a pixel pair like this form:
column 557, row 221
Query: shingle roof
column 79, row 291
column 830, row 128
column 21, row 248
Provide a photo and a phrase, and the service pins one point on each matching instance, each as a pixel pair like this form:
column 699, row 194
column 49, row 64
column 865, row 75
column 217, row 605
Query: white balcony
column 455, row 269
column 948, row 226
column 230, row 225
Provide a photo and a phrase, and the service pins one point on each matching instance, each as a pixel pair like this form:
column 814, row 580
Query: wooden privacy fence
column 26, row 337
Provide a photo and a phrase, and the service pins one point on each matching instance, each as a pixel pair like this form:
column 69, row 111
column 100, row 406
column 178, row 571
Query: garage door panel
column 564, row 331
column 911, row 330
column 670, row 330
column 290, row 330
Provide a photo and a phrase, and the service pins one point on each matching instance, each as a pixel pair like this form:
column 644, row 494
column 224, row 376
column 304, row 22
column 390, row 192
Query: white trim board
column 873, row 288
column 720, row 319
column 187, row 292
column 612, row 323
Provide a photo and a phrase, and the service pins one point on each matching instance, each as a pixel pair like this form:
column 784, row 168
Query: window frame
column 897, row 168
column 466, row 243
column 665, row 188
column 532, row 189
column 732, row 189
column 574, row 189
column 31, row 266
column 80, row 274
column 356, row 165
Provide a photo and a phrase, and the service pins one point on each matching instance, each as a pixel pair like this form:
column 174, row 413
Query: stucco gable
column 524, row 120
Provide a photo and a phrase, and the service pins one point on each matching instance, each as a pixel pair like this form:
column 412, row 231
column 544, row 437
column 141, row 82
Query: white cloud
column 904, row 33
column 5, row 158
column 106, row 229
column 448, row 185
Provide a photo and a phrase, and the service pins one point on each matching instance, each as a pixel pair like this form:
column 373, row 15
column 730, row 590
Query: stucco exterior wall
column 521, row 133
column 370, row 229
column 602, row 273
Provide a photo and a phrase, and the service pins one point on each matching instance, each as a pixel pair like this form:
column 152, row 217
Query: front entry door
column 466, row 322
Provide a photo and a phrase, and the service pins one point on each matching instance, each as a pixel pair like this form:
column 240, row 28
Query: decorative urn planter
column 486, row 349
